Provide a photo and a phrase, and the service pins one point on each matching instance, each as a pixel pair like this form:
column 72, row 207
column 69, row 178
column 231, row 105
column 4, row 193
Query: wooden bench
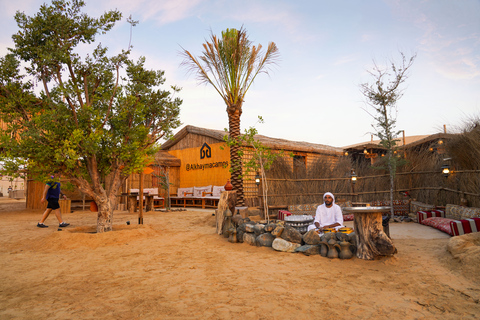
column 200, row 197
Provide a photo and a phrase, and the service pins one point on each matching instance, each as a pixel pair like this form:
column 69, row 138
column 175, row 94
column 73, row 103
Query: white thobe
column 327, row 216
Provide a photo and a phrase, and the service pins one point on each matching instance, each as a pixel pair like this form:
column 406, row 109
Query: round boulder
column 264, row 240
column 249, row 238
column 284, row 245
column 308, row 249
column 291, row 234
column 311, row 237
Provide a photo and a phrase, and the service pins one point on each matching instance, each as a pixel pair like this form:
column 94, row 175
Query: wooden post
column 140, row 200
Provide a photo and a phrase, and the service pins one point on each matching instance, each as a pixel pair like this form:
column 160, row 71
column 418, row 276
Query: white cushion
column 181, row 192
column 217, row 190
column 198, row 191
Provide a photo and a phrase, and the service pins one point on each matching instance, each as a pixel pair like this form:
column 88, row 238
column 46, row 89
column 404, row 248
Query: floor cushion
column 464, row 226
column 282, row 214
column 442, row 224
column 348, row 217
column 422, row 215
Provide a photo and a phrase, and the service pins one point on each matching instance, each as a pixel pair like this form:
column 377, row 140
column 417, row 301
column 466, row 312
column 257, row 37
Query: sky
column 326, row 49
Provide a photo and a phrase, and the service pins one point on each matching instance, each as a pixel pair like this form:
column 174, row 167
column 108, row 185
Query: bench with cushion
column 456, row 220
column 203, row 197
column 400, row 207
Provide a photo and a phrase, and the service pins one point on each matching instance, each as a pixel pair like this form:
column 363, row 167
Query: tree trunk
column 371, row 240
column 235, row 159
column 105, row 216
column 105, row 198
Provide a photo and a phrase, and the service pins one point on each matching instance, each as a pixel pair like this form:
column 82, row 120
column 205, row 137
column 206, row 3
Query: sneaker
column 63, row 225
column 41, row 225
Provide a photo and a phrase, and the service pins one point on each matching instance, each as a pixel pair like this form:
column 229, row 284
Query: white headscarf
column 329, row 194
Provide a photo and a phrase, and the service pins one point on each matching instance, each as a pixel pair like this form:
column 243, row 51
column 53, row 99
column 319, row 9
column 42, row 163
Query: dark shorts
column 53, row 203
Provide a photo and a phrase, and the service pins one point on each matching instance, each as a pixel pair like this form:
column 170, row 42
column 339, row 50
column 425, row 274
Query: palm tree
column 230, row 64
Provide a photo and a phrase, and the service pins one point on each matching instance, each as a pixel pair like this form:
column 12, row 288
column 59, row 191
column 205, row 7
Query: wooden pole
column 140, row 199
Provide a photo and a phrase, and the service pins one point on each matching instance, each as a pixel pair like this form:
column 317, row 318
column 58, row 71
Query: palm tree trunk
column 235, row 159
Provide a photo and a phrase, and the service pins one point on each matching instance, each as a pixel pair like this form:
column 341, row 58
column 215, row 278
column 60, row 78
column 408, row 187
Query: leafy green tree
column 230, row 64
column 96, row 119
column 382, row 96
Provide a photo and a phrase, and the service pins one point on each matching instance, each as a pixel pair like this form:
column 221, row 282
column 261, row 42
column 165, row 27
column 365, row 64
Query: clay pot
column 228, row 186
column 93, row 206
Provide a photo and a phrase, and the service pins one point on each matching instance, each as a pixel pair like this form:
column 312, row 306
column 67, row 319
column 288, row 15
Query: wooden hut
column 205, row 158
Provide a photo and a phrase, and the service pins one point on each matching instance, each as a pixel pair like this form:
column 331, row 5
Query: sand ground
column 176, row 267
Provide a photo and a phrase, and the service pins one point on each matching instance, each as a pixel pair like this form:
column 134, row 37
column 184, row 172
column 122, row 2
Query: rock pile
column 288, row 239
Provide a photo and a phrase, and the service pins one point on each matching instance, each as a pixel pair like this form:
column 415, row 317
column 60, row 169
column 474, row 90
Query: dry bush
column 464, row 148
column 420, row 175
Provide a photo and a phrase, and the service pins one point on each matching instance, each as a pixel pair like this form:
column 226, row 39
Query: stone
column 258, row 229
column 308, row 249
column 249, row 228
column 277, row 232
column 352, row 238
column 291, row 234
column 264, row 240
column 242, row 227
column 240, row 233
column 466, row 249
column 311, row 237
column 342, row 236
column 284, row 245
column 237, row 219
column 249, row 238
column 270, row 227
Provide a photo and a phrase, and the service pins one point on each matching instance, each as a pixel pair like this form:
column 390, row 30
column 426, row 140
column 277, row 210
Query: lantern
column 257, row 179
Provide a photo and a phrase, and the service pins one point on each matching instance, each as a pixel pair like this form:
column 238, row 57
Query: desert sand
column 176, row 267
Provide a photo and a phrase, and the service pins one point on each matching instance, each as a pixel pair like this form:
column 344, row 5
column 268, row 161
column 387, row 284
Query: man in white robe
column 328, row 215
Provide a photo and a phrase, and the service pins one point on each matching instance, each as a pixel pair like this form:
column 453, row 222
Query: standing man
column 328, row 215
column 51, row 194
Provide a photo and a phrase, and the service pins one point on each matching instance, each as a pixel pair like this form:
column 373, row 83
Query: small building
column 205, row 158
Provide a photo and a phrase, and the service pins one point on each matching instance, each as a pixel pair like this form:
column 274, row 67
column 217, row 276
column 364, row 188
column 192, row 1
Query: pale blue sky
column 325, row 46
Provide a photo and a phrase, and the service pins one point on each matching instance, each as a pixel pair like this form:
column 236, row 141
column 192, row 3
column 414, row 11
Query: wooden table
column 371, row 240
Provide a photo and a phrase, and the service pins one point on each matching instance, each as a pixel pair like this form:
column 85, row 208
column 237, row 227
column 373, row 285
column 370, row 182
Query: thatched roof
column 163, row 158
column 429, row 139
column 274, row 143
column 375, row 144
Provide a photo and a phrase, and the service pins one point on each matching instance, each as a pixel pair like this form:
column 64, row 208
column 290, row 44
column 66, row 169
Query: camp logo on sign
column 205, row 151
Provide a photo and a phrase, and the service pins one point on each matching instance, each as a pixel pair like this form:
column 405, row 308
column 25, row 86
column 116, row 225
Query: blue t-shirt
column 54, row 190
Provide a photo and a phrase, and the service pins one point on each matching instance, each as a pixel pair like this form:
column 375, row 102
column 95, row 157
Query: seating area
column 455, row 220
column 151, row 198
column 400, row 207
column 201, row 197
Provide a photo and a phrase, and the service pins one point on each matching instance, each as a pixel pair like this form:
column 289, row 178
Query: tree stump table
column 371, row 240
column 227, row 202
